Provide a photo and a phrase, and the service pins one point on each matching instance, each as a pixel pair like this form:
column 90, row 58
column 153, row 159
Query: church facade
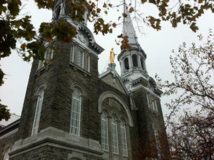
column 71, row 112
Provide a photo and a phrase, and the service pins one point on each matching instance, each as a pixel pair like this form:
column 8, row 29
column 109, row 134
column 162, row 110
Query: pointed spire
column 128, row 29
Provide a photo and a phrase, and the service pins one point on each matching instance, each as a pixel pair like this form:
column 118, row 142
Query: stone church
column 71, row 112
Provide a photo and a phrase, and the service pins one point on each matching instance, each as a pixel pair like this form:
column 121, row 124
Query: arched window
column 114, row 136
column 142, row 63
column 115, row 122
column 123, row 138
column 104, row 132
column 134, row 60
column 126, row 63
column 38, row 110
column 75, row 112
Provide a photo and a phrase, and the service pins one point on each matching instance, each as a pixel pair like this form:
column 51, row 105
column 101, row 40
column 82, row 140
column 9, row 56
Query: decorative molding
column 138, row 87
column 55, row 137
column 110, row 94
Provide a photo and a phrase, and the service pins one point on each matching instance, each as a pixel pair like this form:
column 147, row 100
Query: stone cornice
column 55, row 137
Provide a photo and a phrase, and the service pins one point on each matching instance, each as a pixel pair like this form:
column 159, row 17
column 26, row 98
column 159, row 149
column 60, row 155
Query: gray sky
column 157, row 45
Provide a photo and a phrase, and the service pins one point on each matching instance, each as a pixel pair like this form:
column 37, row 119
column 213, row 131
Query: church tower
column 71, row 112
column 60, row 118
column 150, row 137
column 132, row 58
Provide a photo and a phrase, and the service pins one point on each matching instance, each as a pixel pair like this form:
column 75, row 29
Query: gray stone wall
column 59, row 77
column 54, row 153
column 6, row 143
column 143, row 135
column 140, row 134
column 43, row 153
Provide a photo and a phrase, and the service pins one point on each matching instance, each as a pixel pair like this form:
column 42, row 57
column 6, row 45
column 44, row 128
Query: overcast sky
column 157, row 45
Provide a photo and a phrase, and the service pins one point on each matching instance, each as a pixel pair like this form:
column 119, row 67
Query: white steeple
column 132, row 59
column 128, row 29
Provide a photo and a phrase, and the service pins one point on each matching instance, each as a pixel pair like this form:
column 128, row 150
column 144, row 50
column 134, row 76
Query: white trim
column 89, row 62
column 37, row 112
column 85, row 145
column 115, row 139
column 105, row 129
column 145, row 88
column 75, row 40
column 6, row 154
column 79, row 100
column 124, row 141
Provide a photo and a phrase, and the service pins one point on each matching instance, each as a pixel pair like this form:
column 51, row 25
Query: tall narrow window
column 149, row 101
column 142, row 63
column 6, row 154
column 82, row 61
column 77, row 57
column 37, row 113
column 126, row 63
column 89, row 63
column 75, row 112
column 134, row 60
column 154, row 105
column 104, row 132
column 124, row 138
column 114, row 136
column 47, row 58
column 48, row 55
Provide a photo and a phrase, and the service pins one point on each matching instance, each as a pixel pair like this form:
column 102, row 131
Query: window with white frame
column 152, row 102
column 114, row 136
column 123, row 138
column 104, row 132
column 47, row 57
column 79, row 57
column 75, row 112
column 114, row 129
column 37, row 113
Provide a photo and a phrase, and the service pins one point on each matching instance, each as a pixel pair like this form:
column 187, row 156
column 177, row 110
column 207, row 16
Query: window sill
column 114, row 153
column 76, row 67
column 126, row 156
